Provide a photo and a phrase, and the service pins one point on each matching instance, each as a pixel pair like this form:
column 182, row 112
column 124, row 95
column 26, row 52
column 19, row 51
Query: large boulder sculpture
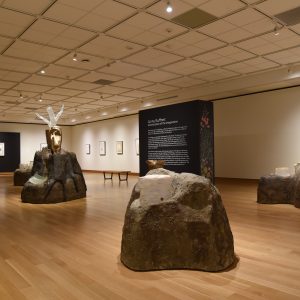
column 176, row 221
column 56, row 174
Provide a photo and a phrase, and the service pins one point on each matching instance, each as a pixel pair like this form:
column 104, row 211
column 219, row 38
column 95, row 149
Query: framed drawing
column 87, row 148
column 102, row 148
column 2, row 149
column 43, row 145
column 119, row 145
column 137, row 146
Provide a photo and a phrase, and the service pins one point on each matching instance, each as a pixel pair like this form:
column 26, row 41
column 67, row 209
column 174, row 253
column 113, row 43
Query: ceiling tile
column 270, row 42
column 153, row 58
column 13, row 23
column 131, row 83
column 53, row 97
column 32, row 88
column 120, row 98
column 110, row 47
column 29, row 51
column 159, row 88
column 189, row 44
column 114, row 90
column 157, row 76
column 216, row 28
column 105, row 15
column 138, row 3
column 85, row 61
column 146, row 29
column 63, row 92
column 186, row 67
column 64, row 72
column 123, row 69
column 6, row 84
column 56, row 34
column 12, row 76
column 222, row 8
column 252, row 65
column 64, row 12
column 79, row 85
column 138, row 94
column 224, row 56
column 45, row 80
column 195, row 3
column 90, row 95
column 29, row 6
column 25, row 95
column 185, row 82
column 273, row 7
column 4, row 42
column 285, row 56
column 215, row 74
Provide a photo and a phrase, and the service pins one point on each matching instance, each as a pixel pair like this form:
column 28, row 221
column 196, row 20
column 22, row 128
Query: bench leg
column 107, row 177
column 123, row 178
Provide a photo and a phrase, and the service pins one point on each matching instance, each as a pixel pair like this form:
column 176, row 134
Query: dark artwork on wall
column 181, row 134
column 10, row 161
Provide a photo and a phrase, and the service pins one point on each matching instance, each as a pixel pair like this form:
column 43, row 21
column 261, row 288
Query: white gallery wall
column 124, row 129
column 32, row 135
column 254, row 134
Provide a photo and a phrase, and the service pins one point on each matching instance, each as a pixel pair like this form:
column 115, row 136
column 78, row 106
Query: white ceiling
column 150, row 59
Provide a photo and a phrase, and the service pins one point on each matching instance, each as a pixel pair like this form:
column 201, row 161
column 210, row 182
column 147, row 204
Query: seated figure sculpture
column 56, row 174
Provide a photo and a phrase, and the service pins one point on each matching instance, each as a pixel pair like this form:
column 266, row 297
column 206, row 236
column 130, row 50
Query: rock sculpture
column 280, row 189
column 185, row 228
column 56, row 174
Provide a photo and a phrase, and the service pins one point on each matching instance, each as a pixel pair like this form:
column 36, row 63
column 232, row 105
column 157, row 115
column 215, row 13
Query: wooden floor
column 71, row 250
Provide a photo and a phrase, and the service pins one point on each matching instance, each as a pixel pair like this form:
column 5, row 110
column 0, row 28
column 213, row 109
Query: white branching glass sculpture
column 52, row 117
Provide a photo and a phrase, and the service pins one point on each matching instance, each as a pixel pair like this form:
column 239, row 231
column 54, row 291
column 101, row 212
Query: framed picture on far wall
column 102, row 148
column 137, row 146
column 87, row 148
column 2, row 149
column 119, row 147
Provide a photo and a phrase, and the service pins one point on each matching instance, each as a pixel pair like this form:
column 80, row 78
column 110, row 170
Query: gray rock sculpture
column 276, row 189
column 189, row 230
column 56, row 177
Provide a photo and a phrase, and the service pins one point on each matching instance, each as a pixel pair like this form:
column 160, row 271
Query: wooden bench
column 123, row 175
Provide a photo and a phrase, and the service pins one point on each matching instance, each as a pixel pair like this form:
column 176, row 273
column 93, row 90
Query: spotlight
column 40, row 99
column 276, row 29
column 169, row 7
column 43, row 71
column 75, row 57
column 21, row 96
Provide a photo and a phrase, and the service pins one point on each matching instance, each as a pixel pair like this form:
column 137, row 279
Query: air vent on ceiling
column 103, row 81
column 290, row 17
column 30, row 108
column 194, row 18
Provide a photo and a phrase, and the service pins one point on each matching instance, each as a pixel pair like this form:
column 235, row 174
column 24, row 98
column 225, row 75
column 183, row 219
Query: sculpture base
column 57, row 178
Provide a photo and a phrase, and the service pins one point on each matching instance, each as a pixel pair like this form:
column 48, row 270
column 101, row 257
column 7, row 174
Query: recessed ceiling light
column 73, row 120
column 169, row 7
column 40, row 99
column 123, row 109
column 104, row 113
column 43, row 71
column 21, row 96
column 88, row 117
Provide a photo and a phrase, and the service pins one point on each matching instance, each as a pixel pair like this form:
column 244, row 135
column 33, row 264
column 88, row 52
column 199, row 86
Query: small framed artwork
column 87, row 148
column 102, row 148
column 119, row 145
column 43, row 145
column 137, row 146
column 2, row 149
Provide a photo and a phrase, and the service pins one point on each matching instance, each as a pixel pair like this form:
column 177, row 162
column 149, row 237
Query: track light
column 169, row 7
column 75, row 57
column 21, row 96
column 40, row 99
column 276, row 29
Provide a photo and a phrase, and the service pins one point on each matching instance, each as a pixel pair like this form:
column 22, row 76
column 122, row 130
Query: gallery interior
column 94, row 94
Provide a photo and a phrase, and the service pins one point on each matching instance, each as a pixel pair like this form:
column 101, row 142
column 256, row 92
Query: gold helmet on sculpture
column 54, row 133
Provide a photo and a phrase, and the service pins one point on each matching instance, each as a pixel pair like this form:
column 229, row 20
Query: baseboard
column 101, row 172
